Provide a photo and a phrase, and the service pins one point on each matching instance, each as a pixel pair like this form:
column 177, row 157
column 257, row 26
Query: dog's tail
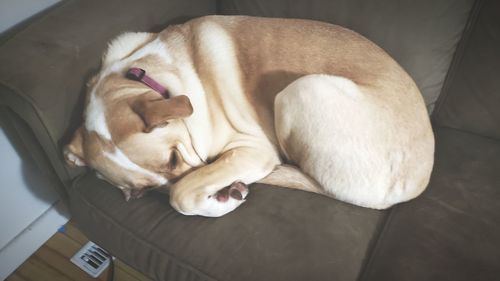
column 292, row 177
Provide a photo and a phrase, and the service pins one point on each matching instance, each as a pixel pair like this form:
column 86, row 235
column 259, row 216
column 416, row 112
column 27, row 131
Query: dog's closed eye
column 173, row 161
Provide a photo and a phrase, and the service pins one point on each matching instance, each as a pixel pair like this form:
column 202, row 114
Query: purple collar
column 139, row 74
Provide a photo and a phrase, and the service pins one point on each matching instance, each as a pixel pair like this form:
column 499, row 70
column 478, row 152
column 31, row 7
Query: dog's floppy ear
column 156, row 111
column 73, row 151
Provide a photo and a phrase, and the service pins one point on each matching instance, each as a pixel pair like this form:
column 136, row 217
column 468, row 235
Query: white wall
column 30, row 211
column 24, row 192
column 13, row 12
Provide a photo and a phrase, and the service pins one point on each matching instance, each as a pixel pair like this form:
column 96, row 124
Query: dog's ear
column 156, row 111
column 73, row 151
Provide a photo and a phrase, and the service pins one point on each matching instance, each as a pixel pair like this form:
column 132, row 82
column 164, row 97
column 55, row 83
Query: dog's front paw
column 214, row 205
column 237, row 190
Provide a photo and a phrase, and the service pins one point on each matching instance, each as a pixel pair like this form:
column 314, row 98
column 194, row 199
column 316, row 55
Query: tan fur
column 292, row 177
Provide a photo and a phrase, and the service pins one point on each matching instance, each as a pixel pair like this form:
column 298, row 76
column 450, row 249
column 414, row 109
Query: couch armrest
column 44, row 66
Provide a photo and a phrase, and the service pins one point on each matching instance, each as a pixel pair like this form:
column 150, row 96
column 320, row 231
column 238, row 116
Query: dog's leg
column 197, row 193
column 292, row 177
column 340, row 136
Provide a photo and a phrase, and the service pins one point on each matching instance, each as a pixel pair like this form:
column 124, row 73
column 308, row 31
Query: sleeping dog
column 207, row 107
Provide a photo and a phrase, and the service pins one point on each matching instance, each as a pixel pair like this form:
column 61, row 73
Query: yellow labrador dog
column 209, row 106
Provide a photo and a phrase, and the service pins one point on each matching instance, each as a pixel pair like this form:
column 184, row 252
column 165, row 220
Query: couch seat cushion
column 278, row 234
column 452, row 231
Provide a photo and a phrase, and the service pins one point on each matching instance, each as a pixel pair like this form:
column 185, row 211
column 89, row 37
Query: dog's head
column 132, row 136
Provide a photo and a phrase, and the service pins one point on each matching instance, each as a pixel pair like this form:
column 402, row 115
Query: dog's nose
column 137, row 193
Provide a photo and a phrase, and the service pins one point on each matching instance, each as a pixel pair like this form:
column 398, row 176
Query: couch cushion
column 452, row 231
column 45, row 66
column 420, row 35
column 278, row 234
column 472, row 98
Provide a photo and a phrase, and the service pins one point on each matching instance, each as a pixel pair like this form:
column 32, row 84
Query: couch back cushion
column 471, row 99
column 420, row 35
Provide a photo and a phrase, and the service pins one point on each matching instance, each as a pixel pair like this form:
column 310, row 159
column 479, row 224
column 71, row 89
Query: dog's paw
column 237, row 190
column 215, row 205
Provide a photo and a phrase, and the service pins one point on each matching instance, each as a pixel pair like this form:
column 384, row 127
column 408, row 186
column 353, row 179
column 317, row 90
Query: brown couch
column 451, row 232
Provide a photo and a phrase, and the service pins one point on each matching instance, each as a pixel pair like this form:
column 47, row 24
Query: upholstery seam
column 378, row 241
column 457, row 58
column 218, row 7
column 388, row 221
column 171, row 257
column 466, row 132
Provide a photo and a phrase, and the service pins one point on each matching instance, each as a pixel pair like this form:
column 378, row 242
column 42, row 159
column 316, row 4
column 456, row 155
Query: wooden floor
column 52, row 261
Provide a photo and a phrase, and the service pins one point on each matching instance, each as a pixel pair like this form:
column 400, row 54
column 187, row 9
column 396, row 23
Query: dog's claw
column 236, row 194
column 237, row 189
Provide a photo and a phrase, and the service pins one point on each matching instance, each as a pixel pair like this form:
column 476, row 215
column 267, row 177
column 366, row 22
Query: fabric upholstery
column 278, row 234
column 420, row 35
column 452, row 231
column 449, row 233
column 45, row 66
column 472, row 100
